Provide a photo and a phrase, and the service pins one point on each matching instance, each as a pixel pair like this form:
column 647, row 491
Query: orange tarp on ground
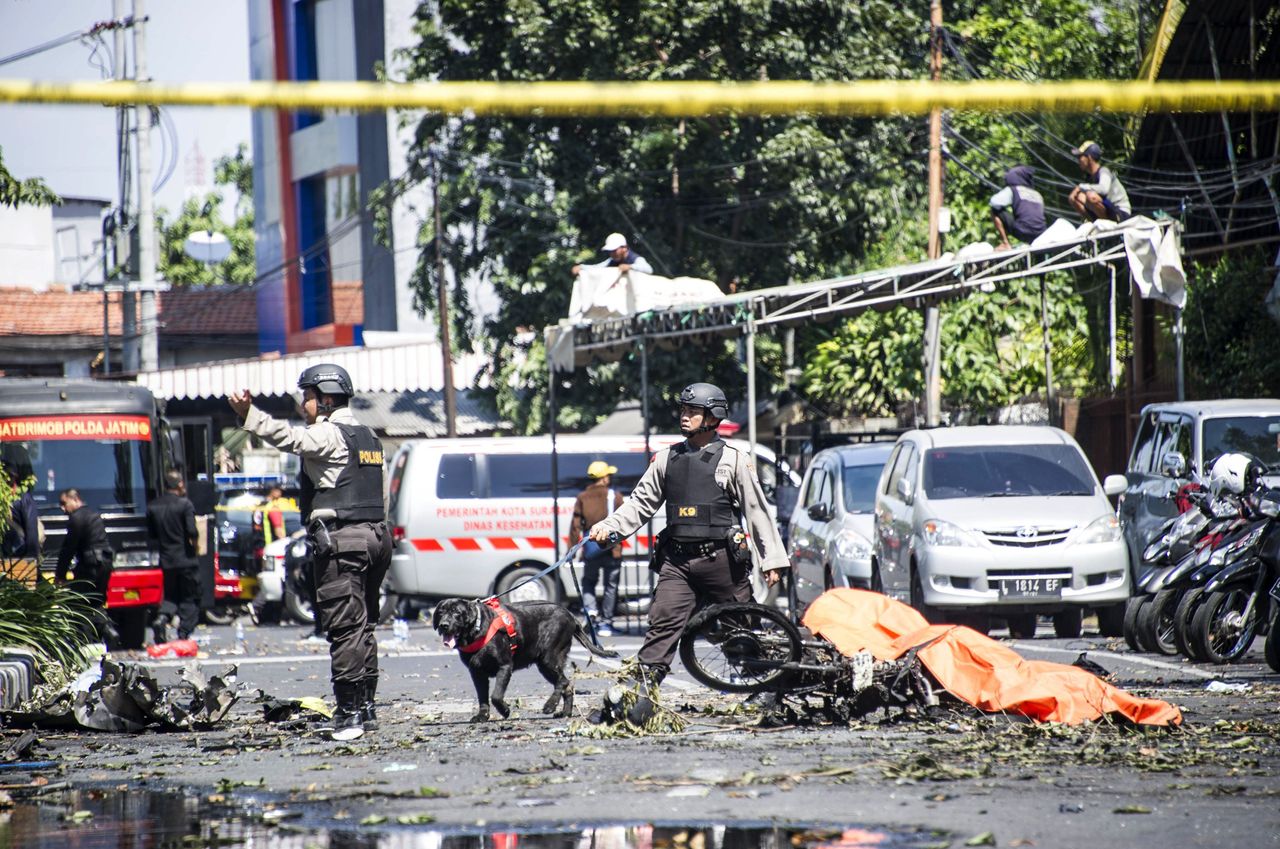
column 973, row 667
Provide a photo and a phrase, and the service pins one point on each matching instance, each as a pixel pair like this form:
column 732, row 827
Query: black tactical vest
column 697, row 508
column 357, row 494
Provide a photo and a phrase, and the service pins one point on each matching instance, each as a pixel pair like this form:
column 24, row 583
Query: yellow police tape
column 871, row 97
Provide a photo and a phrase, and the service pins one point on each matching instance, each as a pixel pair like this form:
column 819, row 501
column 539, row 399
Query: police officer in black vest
column 717, row 525
column 346, row 523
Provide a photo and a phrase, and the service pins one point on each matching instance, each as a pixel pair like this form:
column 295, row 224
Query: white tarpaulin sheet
column 603, row 293
column 1155, row 261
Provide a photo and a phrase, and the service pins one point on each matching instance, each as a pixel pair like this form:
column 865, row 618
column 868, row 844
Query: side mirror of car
column 1173, row 465
column 1115, row 484
column 904, row 489
column 820, row 512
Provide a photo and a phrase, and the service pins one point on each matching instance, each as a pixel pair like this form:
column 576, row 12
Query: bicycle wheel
column 739, row 647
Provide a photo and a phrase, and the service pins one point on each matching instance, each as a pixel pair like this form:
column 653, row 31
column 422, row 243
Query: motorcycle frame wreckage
column 748, row 648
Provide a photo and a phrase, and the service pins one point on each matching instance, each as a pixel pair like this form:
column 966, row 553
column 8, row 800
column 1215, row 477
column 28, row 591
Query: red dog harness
column 502, row 620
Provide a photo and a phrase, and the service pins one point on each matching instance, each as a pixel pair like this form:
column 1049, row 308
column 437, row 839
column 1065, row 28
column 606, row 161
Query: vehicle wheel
column 1221, row 627
column 739, row 647
column 299, row 608
column 1183, row 637
column 1271, row 648
column 917, row 598
column 543, row 589
column 1156, row 623
column 131, row 624
column 1132, row 610
column 1067, row 623
column 1110, row 620
column 220, row 614
column 1022, row 626
column 980, row 622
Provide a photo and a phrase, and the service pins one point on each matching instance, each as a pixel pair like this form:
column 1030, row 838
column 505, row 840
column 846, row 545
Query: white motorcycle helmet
column 1234, row 473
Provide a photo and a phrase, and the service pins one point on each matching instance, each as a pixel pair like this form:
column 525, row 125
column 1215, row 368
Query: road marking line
column 1127, row 658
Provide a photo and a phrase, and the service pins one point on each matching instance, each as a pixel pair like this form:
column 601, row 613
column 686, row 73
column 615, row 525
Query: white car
column 833, row 524
column 998, row 519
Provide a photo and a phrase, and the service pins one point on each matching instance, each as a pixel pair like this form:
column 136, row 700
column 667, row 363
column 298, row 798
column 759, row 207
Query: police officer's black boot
column 346, row 719
column 368, row 714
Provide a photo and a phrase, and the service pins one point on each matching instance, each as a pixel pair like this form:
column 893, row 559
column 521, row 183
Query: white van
column 473, row 517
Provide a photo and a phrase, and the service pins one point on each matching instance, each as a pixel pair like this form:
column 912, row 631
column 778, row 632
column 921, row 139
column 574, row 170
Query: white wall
column 26, row 247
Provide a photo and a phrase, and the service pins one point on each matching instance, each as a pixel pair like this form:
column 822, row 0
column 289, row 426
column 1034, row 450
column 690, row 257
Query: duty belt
column 695, row 548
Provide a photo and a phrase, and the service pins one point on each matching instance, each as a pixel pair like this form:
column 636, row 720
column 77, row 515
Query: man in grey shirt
column 1102, row 198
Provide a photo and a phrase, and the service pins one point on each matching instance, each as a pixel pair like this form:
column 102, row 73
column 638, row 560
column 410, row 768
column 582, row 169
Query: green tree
column 744, row 201
column 1229, row 330
column 29, row 192
column 202, row 214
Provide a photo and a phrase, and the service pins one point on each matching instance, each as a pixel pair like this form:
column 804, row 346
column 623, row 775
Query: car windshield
column 1006, row 471
column 1256, row 435
column 860, row 488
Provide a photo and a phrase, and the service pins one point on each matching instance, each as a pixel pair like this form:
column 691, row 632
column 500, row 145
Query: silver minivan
column 474, row 517
column 999, row 519
column 832, row 526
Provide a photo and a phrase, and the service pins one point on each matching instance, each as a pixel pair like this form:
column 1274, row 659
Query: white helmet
column 1233, row 473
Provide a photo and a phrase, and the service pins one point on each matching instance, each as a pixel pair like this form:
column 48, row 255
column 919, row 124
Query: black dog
column 494, row 641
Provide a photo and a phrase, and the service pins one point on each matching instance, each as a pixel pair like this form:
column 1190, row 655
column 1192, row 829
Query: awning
column 395, row 368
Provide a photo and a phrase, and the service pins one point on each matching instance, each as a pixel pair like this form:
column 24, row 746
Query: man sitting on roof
column 1103, row 199
column 1018, row 208
column 621, row 257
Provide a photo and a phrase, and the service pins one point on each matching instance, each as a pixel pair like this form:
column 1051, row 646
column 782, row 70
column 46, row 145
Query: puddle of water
column 159, row 819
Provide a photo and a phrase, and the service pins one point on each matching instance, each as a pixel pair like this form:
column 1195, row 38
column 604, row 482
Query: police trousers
column 683, row 584
column 348, row 578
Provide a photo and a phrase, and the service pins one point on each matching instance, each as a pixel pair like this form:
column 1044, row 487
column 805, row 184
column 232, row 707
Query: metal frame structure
column 747, row 313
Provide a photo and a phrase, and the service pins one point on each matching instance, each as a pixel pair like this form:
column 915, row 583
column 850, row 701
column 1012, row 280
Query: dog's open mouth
column 450, row 641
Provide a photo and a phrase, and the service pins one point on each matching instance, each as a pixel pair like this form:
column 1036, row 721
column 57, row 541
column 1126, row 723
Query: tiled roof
column 183, row 311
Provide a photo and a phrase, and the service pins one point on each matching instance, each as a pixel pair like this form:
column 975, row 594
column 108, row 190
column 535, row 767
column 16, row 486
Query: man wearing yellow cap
column 1102, row 196
column 594, row 504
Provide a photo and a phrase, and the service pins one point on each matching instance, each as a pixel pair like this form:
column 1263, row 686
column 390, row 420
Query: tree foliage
column 204, row 214
column 1229, row 332
column 745, row 201
column 29, row 192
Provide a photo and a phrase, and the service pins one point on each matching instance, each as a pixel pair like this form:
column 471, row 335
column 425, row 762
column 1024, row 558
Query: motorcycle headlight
column 939, row 532
column 1102, row 529
column 852, row 546
column 298, row 549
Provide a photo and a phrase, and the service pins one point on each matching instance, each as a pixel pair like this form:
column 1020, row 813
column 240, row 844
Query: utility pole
column 932, row 319
column 128, row 303
column 442, row 296
column 149, row 331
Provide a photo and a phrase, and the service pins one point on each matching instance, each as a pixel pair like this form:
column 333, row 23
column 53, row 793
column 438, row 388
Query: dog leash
column 614, row 539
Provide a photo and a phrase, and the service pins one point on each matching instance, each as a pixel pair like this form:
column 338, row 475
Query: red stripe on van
column 464, row 543
column 541, row 542
column 503, row 543
column 428, row 545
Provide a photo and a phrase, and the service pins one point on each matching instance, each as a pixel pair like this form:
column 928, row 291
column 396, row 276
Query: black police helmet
column 327, row 379
column 708, row 396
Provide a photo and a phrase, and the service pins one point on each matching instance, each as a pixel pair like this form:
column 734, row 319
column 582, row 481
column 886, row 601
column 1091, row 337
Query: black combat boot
column 368, row 714
column 346, row 719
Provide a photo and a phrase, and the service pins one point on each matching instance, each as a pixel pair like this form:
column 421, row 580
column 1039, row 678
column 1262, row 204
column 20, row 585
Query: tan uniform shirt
column 590, row 507
column 321, row 445
column 736, row 476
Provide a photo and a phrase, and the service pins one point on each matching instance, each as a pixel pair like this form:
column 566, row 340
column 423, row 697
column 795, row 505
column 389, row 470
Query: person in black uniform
column 86, row 543
column 716, row 515
column 171, row 524
column 346, row 521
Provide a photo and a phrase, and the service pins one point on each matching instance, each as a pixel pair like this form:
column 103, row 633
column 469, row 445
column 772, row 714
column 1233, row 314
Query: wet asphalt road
column 1216, row 783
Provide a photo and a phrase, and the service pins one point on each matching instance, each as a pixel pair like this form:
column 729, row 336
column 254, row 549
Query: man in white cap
column 621, row 257
column 1102, row 196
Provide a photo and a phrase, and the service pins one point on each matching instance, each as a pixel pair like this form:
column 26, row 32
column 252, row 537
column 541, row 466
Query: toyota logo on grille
column 1026, row 532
